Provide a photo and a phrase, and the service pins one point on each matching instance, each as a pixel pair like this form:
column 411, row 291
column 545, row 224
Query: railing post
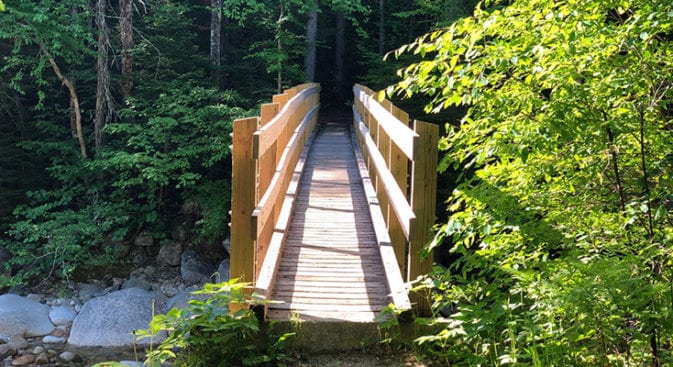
column 423, row 201
column 243, row 186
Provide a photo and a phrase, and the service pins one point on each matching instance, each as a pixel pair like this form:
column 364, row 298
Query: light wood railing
column 401, row 157
column 265, row 175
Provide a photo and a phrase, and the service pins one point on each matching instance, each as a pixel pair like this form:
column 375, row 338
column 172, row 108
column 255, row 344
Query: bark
column 382, row 27
column 103, row 96
column 74, row 100
column 311, row 38
column 279, row 37
column 340, row 53
column 215, row 45
column 126, row 35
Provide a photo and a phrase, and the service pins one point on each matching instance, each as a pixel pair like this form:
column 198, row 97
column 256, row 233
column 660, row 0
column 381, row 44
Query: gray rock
column 18, row 343
column 227, row 245
column 109, row 321
column 34, row 297
column 169, row 254
column 67, row 356
column 141, row 283
column 181, row 300
column 6, row 350
column 23, row 317
column 193, row 268
column 144, row 239
column 131, row 363
column 38, row 350
column 222, row 274
column 42, row 359
column 89, row 291
column 62, row 315
column 180, row 233
column 50, row 339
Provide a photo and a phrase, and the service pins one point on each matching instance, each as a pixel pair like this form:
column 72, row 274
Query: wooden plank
column 391, row 267
column 242, row 201
column 323, row 316
column 396, row 198
column 403, row 138
column 267, row 135
column 329, row 308
column 399, row 168
column 423, row 201
column 265, row 207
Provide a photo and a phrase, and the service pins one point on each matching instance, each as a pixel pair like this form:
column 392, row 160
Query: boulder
column 170, row 254
column 89, row 291
column 109, row 321
column 222, row 274
column 139, row 282
column 20, row 316
column 193, row 268
column 62, row 315
column 144, row 239
column 181, row 300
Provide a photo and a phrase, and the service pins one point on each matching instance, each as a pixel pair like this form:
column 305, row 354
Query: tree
column 311, row 43
column 215, row 42
column 560, row 224
column 104, row 106
column 126, row 36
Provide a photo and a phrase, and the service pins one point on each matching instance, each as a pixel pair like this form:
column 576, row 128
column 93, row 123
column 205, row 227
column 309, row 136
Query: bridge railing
column 401, row 156
column 265, row 152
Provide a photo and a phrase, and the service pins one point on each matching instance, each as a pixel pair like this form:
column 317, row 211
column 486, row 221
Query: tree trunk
column 103, row 99
column 340, row 54
column 74, row 100
column 279, row 37
column 126, row 35
column 311, row 37
column 215, row 46
column 382, row 27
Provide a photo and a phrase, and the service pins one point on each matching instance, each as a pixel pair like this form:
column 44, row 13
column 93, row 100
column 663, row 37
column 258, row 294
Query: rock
column 50, row 339
column 131, row 363
column 141, row 283
column 38, row 350
column 62, row 315
column 117, row 283
column 227, row 245
column 34, row 297
column 181, row 300
column 6, row 350
column 42, row 359
column 180, row 233
column 222, row 274
column 144, row 239
column 67, row 356
column 193, row 268
column 23, row 360
column 110, row 320
column 19, row 290
column 59, row 331
column 23, row 317
column 169, row 254
column 89, row 291
column 18, row 343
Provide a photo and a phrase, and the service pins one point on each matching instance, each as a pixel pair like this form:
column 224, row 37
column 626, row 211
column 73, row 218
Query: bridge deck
column 330, row 268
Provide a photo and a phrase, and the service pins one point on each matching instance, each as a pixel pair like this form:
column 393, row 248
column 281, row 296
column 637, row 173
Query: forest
column 554, row 234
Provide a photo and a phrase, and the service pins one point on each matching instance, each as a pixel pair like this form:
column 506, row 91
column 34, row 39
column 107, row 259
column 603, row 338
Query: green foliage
column 207, row 334
column 560, row 226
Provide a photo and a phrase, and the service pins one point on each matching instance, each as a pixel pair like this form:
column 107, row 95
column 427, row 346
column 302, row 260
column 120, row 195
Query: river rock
column 193, row 268
column 89, row 291
column 67, row 356
column 23, row 360
column 139, row 282
column 18, row 342
column 223, row 271
column 23, row 317
column 169, row 254
column 227, row 245
column 6, row 350
column 42, row 359
column 180, row 233
column 144, row 239
column 181, row 300
column 109, row 321
column 62, row 315
column 51, row 339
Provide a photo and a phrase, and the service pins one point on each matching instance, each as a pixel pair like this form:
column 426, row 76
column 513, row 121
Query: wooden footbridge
column 329, row 217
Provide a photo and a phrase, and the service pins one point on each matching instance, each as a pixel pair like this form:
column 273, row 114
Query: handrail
column 402, row 163
column 265, row 153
